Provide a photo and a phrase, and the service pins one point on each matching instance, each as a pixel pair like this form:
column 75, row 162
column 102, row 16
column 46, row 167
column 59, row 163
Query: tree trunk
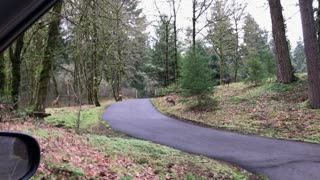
column 237, row 52
column 55, row 84
column 194, row 21
column 15, row 58
column 312, row 52
column 175, row 34
column 285, row 70
column 318, row 21
column 2, row 74
column 96, row 82
column 167, row 79
column 48, row 58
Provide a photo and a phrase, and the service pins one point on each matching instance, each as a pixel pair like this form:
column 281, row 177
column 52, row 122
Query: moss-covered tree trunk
column 53, row 34
column 15, row 58
column 117, row 75
column 285, row 69
column 2, row 74
column 95, row 73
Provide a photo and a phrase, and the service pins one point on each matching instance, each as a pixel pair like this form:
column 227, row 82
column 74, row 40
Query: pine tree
column 256, row 47
column 299, row 58
column 255, row 71
column 196, row 77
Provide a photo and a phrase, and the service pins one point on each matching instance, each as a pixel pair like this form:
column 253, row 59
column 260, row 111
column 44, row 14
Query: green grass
column 147, row 154
column 89, row 119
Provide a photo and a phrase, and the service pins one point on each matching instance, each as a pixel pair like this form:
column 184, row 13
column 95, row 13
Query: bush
column 196, row 77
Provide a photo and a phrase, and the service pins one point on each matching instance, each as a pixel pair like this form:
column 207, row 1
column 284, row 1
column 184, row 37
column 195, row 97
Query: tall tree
column 15, row 58
column 175, row 34
column 221, row 35
column 95, row 44
column 299, row 57
column 53, row 34
column 237, row 13
column 285, row 70
column 199, row 7
column 162, row 54
column 2, row 74
column 312, row 51
column 175, row 6
column 255, row 47
column 318, row 22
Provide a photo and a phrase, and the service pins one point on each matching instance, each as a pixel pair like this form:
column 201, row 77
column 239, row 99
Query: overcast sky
column 258, row 8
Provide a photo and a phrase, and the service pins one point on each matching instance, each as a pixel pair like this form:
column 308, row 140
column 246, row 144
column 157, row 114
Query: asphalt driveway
column 276, row 159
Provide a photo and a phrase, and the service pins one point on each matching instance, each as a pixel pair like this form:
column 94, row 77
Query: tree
column 256, row 47
column 312, row 51
column 163, row 53
column 2, row 74
column 196, row 77
column 299, row 58
column 221, row 35
column 237, row 13
column 198, row 9
column 47, row 62
column 255, row 71
column 285, row 70
column 175, row 35
column 15, row 58
column 318, row 23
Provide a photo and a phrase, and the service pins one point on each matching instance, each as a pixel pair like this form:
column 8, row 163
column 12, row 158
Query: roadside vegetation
column 98, row 152
column 271, row 110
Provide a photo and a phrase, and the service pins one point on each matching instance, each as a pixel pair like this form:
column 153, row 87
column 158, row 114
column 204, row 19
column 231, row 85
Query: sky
column 257, row 8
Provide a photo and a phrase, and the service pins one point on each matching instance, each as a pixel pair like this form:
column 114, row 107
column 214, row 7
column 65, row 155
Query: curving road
column 276, row 159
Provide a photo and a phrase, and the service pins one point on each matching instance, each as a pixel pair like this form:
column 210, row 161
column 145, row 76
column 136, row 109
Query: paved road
column 278, row 160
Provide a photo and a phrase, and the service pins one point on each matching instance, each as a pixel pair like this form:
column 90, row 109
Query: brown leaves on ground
column 66, row 155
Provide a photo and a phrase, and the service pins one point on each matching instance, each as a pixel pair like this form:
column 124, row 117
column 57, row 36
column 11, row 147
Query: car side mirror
column 19, row 156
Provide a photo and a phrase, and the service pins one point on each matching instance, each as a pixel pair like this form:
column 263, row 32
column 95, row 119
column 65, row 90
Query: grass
column 164, row 160
column 271, row 110
column 90, row 119
column 68, row 155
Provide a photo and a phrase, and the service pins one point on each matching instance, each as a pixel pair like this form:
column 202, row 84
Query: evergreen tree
column 256, row 47
column 196, row 77
column 222, row 37
column 299, row 58
column 163, row 57
column 255, row 71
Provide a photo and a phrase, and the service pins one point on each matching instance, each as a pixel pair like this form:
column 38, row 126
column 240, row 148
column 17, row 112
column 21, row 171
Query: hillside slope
column 271, row 110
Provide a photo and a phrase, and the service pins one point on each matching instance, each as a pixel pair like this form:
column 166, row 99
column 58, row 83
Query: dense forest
column 83, row 51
